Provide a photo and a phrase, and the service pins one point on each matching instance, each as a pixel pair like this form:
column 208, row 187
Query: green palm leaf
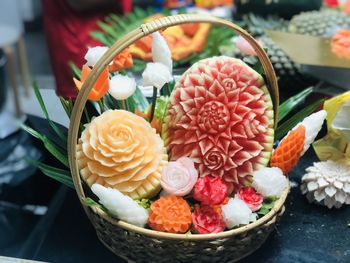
column 287, row 106
column 284, row 128
column 54, row 149
column 60, row 175
column 58, row 131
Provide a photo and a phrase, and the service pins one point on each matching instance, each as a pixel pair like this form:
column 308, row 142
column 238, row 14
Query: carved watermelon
column 220, row 114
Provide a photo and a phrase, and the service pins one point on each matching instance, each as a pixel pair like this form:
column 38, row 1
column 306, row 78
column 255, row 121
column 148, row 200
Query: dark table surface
column 306, row 233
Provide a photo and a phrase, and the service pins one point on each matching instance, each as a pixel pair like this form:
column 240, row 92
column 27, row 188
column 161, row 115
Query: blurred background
column 44, row 42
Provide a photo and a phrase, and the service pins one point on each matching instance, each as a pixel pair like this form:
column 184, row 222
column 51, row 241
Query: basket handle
column 129, row 39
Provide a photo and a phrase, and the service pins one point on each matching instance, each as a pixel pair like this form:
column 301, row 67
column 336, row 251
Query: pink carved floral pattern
column 220, row 115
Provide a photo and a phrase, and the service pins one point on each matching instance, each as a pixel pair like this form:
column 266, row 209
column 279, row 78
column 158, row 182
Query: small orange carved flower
column 101, row 85
column 170, row 214
column 122, row 61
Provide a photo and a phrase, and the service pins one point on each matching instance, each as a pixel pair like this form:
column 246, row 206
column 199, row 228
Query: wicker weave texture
column 140, row 248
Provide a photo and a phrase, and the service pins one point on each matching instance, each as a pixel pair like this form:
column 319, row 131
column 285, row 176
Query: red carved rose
column 206, row 220
column 210, row 190
column 249, row 196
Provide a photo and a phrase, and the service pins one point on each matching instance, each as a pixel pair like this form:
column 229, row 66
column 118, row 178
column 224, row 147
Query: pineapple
column 256, row 25
column 289, row 76
column 290, row 79
column 283, row 8
column 319, row 23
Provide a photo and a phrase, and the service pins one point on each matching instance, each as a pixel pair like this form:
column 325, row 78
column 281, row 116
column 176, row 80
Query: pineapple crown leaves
column 257, row 25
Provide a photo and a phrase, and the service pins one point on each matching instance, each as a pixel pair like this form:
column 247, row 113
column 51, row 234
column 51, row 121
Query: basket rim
column 195, row 237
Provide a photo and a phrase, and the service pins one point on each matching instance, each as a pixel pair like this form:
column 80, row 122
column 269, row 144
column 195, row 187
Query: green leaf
column 287, row 106
column 140, row 13
column 295, row 119
column 267, row 205
column 114, row 27
column 108, row 29
column 101, row 37
column 111, row 103
column 139, row 65
column 57, row 130
column 62, row 176
column 102, row 105
column 67, row 106
column 167, row 89
column 92, row 203
column 145, row 203
column 137, row 101
column 54, row 149
column 75, row 70
column 161, row 106
column 263, row 211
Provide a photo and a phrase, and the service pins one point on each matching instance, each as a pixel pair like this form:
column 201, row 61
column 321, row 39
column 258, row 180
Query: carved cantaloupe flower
column 121, row 150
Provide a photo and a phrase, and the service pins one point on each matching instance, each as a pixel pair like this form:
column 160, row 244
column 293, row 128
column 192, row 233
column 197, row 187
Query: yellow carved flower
column 332, row 106
column 121, row 150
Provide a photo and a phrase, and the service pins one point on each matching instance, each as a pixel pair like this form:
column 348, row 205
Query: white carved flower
column 178, row 178
column 160, row 51
column 313, row 125
column 156, row 75
column 121, row 87
column 94, row 54
column 121, row 206
column 269, row 181
column 327, row 183
column 236, row 212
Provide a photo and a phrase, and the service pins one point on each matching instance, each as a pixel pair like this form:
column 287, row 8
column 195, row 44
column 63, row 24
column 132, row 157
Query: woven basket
column 144, row 245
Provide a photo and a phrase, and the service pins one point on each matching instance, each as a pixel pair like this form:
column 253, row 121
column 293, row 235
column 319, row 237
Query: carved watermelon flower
column 220, row 115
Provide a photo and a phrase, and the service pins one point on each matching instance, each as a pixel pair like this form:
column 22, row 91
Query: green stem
column 102, row 106
column 87, row 115
column 168, row 89
column 154, row 100
column 124, row 104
